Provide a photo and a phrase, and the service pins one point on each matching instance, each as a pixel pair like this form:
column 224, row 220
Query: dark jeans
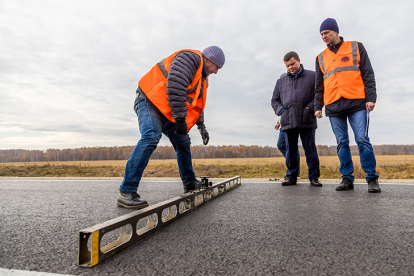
column 281, row 145
column 152, row 123
column 307, row 135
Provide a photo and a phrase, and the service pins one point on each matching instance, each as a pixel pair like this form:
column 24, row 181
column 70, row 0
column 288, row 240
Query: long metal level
column 93, row 248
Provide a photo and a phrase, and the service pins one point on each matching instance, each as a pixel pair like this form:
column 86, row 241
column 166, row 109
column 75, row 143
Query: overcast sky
column 69, row 69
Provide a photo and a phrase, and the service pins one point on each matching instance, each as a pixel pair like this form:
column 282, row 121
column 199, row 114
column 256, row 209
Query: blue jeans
column 152, row 123
column 358, row 122
column 281, row 145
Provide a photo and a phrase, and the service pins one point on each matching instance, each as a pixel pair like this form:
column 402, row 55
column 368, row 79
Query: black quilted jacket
column 293, row 100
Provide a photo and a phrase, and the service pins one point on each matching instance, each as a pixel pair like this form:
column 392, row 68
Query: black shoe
column 346, row 184
column 373, row 186
column 316, row 183
column 290, row 181
column 130, row 200
column 193, row 186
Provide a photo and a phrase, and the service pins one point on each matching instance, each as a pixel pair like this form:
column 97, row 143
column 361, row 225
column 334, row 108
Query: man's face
column 293, row 65
column 211, row 67
column 329, row 37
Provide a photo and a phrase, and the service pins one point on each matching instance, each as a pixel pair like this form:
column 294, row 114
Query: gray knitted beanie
column 214, row 54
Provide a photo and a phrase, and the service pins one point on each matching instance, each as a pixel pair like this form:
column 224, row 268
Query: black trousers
column 307, row 135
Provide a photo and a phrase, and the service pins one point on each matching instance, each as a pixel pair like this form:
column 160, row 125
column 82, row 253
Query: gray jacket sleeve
column 200, row 120
column 181, row 74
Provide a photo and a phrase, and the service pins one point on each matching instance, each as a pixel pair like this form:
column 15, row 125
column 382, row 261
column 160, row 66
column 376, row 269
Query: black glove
column 181, row 126
column 204, row 134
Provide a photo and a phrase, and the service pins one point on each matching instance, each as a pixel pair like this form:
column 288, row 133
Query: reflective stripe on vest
column 341, row 69
column 341, row 81
column 153, row 84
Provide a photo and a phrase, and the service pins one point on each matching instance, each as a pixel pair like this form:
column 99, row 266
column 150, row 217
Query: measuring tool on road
column 91, row 248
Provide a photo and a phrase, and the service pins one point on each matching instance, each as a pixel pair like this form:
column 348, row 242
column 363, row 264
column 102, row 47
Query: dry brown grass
column 102, row 163
column 388, row 166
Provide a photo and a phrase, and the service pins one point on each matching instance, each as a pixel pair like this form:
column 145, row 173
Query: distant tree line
column 167, row 152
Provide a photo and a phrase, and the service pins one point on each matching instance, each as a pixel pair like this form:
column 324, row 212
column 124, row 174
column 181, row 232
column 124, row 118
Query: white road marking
column 15, row 272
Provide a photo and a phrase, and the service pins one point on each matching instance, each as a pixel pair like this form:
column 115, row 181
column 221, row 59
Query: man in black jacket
column 346, row 87
column 293, row 100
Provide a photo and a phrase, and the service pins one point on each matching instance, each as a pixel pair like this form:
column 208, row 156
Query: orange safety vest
column 341, row 73
column 154, row 86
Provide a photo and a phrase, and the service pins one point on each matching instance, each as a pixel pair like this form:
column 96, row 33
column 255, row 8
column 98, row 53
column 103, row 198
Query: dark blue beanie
column 329, row 24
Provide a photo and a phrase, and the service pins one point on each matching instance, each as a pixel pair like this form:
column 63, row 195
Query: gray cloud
column 69, row 70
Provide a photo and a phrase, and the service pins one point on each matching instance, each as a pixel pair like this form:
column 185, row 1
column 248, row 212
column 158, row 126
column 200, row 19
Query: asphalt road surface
column 258, row 228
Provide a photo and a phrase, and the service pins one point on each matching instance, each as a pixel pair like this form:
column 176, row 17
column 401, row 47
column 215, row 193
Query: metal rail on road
column 99, row 242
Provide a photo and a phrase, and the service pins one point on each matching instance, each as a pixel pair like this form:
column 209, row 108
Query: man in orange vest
column 170, row 99
column 345, row 84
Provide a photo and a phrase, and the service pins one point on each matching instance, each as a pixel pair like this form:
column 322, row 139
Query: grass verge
column 388, row 167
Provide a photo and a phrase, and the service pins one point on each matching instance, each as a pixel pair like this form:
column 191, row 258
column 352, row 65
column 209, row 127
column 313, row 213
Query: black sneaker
column 193, row 186
column 130, row 200
column 316, row 183
column 373, row 186
column 290, row 181
column 346, row 184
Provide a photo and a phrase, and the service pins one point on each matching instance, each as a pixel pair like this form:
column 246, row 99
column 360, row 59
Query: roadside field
column 388, row 166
